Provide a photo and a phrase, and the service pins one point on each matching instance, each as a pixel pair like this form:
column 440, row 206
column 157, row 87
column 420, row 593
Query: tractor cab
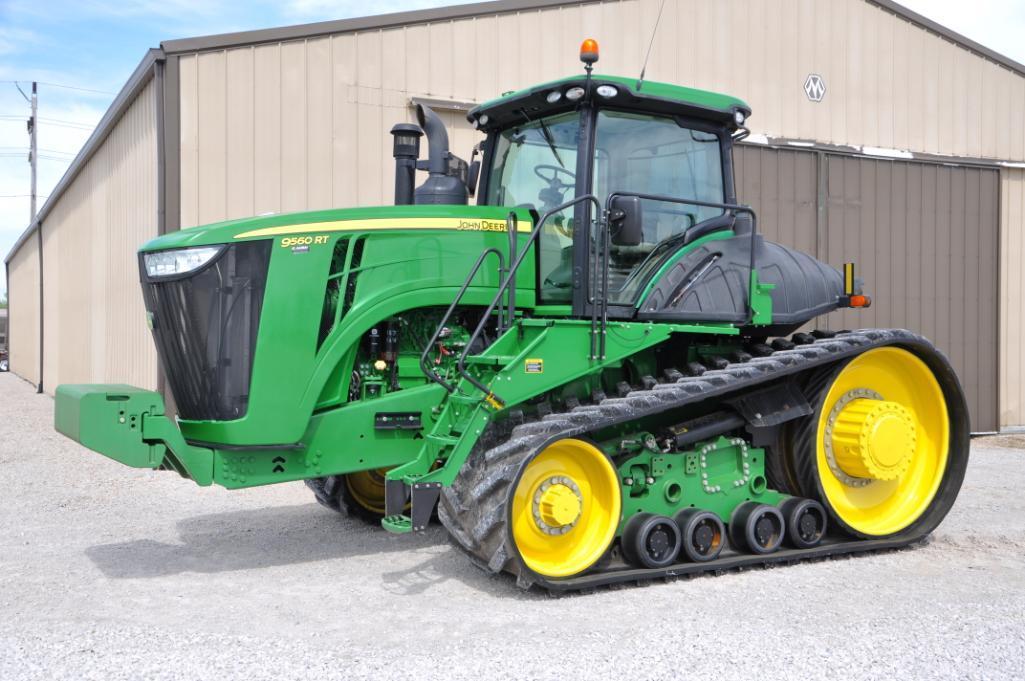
column 661, row 152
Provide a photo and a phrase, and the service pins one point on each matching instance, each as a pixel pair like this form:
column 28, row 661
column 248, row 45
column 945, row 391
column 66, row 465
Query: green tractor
column 593, row 375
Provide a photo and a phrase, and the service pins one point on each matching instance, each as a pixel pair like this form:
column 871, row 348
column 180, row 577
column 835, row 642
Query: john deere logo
column 815, row 87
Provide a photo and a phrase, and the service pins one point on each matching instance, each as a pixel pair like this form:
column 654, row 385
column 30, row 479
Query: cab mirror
column 626, row 220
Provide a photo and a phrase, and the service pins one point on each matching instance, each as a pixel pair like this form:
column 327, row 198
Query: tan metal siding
column 304, row 124
column 1012, row 297
column 923, row 236
column 23, row 312
column 94, row 319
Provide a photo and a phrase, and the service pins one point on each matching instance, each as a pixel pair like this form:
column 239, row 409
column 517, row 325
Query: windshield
column 654, row 155
column 535, row 166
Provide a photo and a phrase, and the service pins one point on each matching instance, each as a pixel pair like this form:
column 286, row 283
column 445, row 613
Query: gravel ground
column 108, row 572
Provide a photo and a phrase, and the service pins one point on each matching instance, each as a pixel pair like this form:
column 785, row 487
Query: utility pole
column 32, row 126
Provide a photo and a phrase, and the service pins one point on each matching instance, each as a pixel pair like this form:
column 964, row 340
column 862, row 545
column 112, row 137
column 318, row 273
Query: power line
column 66, row 87
column 22, row 196
column 50, row 121
column 45, row 151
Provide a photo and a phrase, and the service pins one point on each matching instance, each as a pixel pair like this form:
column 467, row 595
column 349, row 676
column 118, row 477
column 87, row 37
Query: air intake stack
column 406, row 151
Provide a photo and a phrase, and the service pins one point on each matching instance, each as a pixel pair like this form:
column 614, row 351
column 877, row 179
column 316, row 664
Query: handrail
column 511, row 228
column 430, row 373
column 735, row 207
column 493, row 399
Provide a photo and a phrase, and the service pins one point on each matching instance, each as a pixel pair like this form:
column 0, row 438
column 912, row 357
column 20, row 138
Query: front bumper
column 128, row 425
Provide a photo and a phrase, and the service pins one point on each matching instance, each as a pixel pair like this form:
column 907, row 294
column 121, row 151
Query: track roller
column 803, row 339
column 806, row 522
column 651, row 541
column 702, row 534
column 695, row 368
column 757, row 528
column 715, row 362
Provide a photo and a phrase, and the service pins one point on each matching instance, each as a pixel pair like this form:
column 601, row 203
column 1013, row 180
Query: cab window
column 655, row 155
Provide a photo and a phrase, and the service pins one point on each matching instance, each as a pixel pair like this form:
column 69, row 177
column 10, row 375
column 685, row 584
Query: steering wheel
column 554, row 180
column 552, row 195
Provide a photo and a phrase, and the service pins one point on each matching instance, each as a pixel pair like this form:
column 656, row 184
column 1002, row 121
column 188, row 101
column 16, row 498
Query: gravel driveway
column 112, row 573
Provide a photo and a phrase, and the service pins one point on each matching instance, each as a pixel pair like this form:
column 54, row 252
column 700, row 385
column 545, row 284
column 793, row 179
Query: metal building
column 879, row 136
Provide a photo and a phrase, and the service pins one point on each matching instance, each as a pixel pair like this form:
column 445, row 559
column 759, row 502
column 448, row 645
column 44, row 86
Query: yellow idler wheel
column 565, row 508
column 882, row 441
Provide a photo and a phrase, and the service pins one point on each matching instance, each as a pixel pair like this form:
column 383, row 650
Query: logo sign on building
column 815, row 87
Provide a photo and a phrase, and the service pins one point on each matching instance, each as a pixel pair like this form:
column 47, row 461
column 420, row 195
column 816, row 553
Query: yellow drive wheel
column 882, row 442
column 565, row 508
column 366, row 489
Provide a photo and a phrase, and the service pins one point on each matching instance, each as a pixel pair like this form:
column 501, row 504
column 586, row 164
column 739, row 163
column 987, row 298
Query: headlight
column 553, row 96
column 738, row 117
column 607, row 91
column 574, row 93
column 178, row 261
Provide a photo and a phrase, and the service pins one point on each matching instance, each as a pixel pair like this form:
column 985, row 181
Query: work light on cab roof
column 594, row 373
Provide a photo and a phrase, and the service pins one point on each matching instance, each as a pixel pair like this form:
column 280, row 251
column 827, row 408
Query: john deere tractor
column 595, row 374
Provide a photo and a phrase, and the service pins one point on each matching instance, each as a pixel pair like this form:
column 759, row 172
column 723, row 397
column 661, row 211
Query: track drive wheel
column 886, row 448
column 359, row 494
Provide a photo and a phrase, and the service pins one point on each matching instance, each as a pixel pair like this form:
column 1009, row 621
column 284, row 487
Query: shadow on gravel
column 245, row 540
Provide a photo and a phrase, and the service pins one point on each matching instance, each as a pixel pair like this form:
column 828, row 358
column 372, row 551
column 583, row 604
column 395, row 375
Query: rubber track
column 474, row 508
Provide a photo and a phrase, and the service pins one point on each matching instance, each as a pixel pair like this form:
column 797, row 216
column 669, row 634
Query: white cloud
column 13, row 39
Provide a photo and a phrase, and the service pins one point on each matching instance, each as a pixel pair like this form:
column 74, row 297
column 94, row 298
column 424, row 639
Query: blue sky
column 96, row 44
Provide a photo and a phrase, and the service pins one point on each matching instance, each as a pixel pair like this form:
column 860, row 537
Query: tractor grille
column 205, row 326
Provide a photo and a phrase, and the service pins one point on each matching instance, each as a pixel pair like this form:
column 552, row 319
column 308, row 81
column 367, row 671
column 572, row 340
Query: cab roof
column 649, row 96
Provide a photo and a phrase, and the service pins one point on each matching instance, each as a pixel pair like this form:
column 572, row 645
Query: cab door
column 654, row 155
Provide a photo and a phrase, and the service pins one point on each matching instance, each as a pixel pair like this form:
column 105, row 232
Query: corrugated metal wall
column 781, row 186
column 1012, row 297
column 95, row 325
column 924, row 237
column 304, row 124
column 23, row 319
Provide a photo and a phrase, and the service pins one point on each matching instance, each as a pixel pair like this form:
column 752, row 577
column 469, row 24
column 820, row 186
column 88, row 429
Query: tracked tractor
column 595, row 374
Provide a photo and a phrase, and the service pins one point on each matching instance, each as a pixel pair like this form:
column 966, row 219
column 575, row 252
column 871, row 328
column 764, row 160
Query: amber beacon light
column 589, row 51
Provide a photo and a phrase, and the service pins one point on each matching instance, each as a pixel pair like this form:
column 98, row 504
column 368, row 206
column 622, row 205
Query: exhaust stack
column 446, row 174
